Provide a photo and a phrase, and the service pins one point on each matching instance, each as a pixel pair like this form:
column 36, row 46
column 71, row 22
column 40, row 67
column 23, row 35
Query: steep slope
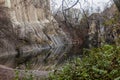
column 32, row 25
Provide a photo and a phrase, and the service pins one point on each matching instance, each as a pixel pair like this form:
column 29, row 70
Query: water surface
column 45, row 59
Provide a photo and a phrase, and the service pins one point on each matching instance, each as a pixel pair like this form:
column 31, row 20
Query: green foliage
column 16, row 75
column 114, row 20
column 98, row 64
column 109, row 22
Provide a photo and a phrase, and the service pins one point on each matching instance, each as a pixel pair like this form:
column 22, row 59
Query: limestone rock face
column 33, row 24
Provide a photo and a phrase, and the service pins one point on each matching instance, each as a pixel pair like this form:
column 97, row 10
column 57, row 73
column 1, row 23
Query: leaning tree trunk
column 117, row 3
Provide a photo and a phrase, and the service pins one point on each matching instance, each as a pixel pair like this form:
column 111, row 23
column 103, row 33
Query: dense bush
column 98, row 64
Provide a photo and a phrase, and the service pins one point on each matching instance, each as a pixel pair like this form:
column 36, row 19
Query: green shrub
column 98, row 64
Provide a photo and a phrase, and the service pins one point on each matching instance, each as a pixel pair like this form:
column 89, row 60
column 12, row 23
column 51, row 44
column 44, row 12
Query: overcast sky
column 93, row 4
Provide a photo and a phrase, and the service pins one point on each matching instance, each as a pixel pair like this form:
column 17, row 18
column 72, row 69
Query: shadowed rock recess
column 27, row 25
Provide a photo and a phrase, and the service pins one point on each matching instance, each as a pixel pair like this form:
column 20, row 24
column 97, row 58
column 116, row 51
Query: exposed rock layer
column 32, row 24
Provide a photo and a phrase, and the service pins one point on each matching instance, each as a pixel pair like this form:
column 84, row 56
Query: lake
column 44, row 59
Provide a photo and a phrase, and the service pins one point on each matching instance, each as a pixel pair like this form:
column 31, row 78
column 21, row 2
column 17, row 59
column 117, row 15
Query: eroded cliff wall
column 32, row 24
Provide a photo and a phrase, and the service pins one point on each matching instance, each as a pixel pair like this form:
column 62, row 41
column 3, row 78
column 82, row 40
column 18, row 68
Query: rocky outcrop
column 111, row 23
column 104, row 27
column 32, row 25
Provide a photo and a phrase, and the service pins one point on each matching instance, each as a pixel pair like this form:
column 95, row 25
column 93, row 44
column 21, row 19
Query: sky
column 92, row 4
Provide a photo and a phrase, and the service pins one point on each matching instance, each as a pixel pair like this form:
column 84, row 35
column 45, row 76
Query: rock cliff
column 32, row 26
column 104, row 27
